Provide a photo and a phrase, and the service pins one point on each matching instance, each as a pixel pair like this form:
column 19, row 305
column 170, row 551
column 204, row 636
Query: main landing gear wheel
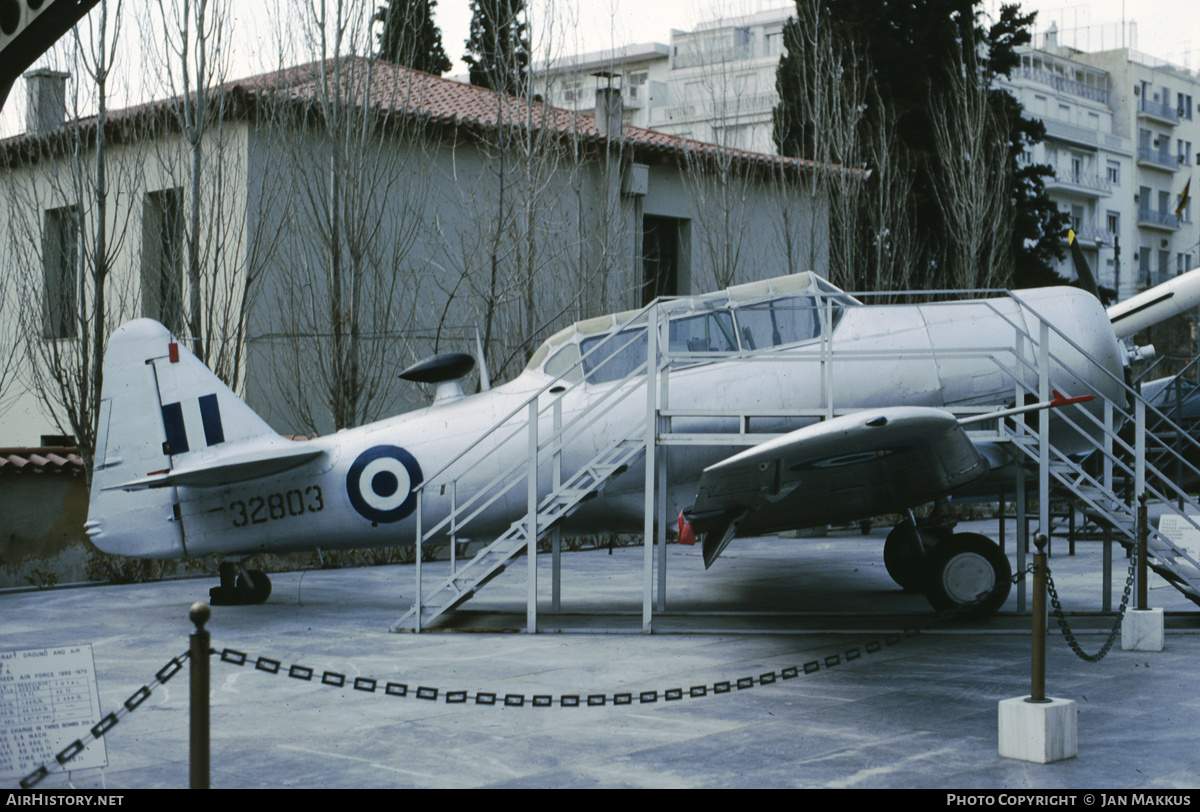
column 905, row 556
column 969, row 575
column 240, row 587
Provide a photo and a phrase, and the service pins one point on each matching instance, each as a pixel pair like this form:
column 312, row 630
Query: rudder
column 160, row 408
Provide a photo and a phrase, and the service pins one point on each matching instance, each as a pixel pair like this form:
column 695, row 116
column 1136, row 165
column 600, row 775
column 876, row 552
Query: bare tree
column 11, row 344
column 198, row 236
column 971, row 148
column 65, row 235
column 346, row 283
column 524, row 192
column 830, row 112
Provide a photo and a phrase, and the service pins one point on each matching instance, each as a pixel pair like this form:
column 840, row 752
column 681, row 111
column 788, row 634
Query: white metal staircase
column 492, row 560
column 1120, row 462
column 567, row 491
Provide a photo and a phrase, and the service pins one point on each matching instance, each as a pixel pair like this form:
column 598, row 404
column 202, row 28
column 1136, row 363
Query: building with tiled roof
column 43, row 504
column 41, row 460
column 455, row 211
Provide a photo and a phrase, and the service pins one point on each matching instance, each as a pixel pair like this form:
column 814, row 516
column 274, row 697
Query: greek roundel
column 382, row 483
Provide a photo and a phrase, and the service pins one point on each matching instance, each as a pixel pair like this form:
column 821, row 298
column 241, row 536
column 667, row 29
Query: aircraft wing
column 863, row 464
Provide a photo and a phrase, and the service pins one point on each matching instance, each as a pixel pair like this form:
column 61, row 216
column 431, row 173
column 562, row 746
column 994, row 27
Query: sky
column 1166, row 29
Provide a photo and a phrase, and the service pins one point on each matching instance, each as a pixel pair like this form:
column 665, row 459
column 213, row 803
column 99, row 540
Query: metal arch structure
column 27, row 30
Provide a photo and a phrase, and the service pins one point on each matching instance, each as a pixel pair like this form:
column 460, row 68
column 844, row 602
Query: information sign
column 48, row 699
column 1181, row 533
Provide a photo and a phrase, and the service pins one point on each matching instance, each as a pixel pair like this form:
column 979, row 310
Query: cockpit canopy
column 784, row 311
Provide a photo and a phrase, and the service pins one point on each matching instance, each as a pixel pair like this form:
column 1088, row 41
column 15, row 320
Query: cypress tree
column 498, row 47
column 409, row 36
column 907, row 46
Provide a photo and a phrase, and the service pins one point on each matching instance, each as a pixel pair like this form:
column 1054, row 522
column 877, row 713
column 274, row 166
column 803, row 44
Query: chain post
column 1143, row 532
column 199, row 762
column 1037, row 689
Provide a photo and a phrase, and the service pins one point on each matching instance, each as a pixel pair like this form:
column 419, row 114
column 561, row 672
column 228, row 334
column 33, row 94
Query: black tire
column 969, row 575
column 246, row 591
column 904, row 559
column 257, row 589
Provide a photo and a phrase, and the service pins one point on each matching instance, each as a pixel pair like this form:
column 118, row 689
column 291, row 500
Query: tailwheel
column 240, row 586
column 969, row 575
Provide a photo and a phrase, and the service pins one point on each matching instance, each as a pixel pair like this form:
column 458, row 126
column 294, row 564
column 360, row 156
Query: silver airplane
column 184, row 468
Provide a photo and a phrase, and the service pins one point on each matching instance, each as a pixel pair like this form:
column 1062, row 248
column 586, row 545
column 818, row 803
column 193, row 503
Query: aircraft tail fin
column 163, row 413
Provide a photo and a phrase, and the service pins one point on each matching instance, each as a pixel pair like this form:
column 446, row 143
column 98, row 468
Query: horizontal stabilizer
column 237, row 467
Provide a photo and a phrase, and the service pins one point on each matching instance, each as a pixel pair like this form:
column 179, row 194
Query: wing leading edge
column 863, row 464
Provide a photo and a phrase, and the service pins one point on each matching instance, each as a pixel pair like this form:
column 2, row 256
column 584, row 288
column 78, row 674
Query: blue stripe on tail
column 210, row 415
column 172, row 414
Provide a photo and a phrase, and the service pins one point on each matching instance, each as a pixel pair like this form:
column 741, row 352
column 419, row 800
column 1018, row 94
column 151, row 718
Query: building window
column 1077, row 218
column 773, row 43
column 663, row 251
column 1114, row 173
column 1185, row 152
column 1113, row 222
column 60, row 273
column 162, row 258
column 1184, row 106
column 743, row 43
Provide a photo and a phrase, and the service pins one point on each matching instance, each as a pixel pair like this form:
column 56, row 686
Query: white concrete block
column 1142, row 630
column 1042, row 732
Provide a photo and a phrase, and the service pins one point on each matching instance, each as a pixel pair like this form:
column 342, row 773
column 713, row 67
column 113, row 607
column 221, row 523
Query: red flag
column 1183, row 199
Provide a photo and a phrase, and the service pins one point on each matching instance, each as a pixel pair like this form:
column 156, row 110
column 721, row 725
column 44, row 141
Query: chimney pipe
column 610, row 112
column 46, row 100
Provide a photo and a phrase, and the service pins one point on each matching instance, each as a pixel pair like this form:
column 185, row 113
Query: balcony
column 1061, row 83
column 1093, row 235
column 1158, row 111
column 741, row 109
column 1161, row 220
column 1089, row 185
column 1157, row 159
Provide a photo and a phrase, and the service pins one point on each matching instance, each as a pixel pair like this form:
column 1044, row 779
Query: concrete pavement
column 878, row 709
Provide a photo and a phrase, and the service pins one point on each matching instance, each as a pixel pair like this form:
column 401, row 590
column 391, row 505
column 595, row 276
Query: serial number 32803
column 259, row 509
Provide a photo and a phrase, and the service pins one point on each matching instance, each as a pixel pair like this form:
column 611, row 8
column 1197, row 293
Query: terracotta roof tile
column 444, row 101
column 41, row 460
column 451, row 102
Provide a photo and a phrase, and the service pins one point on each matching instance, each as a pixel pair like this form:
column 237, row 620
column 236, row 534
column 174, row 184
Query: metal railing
column 1026, row 364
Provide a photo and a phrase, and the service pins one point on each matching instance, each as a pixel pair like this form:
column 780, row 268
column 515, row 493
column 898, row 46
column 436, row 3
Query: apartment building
column 714, row 84
column 1094, row 164
column 1154, row 106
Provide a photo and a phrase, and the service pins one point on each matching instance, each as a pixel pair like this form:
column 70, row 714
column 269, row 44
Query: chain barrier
column 106, row 724
column 403, row 690
column 433, row 694
column 458, row 697
column 1116, row 629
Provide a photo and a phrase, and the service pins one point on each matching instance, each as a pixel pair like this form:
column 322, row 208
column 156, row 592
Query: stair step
column 462, row 585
